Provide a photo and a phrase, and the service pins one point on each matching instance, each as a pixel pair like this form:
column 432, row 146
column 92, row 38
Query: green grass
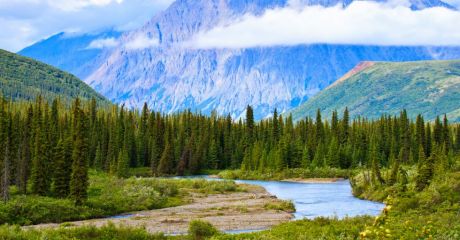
column 286, row 206
column 107, row 196
column 107, row 232
column 287, row 173
column 428, row 87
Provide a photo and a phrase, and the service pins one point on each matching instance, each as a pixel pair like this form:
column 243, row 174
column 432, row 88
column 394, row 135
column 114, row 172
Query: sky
column 24, row 22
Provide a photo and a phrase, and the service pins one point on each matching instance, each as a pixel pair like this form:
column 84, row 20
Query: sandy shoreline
column 232, row 211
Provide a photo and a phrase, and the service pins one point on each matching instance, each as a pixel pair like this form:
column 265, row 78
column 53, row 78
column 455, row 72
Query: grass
column 287, row 173
column 108, row 196
column 282, row 205
column 108, row 232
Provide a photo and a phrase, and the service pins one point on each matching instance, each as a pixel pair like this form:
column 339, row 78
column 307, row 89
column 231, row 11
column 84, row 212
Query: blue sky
column 24, row 22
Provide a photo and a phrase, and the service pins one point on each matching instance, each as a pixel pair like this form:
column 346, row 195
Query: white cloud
column 363, row 22
column 75, row 5
column 141, row 42
column 103, row 43
column 24, row 22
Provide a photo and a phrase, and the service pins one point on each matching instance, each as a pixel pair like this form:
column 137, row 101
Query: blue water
column 318, row 199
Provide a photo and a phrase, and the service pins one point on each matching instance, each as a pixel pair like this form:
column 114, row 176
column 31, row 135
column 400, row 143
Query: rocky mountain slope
column 150, row 64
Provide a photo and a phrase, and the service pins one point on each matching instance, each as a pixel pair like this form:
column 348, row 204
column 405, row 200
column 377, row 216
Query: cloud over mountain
column 362, row 22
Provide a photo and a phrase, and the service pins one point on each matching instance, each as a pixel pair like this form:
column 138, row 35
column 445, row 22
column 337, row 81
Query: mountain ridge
column 23, row 78
column 430, row 88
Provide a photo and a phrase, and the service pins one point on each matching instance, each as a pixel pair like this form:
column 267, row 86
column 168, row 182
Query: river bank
column 248, row 210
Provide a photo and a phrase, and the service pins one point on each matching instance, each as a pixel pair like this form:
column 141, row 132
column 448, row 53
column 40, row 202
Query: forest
column 47, row 148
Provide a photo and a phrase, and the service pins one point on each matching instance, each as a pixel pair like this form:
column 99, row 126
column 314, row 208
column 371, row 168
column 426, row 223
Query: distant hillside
column 373, row 88
column 22, row 78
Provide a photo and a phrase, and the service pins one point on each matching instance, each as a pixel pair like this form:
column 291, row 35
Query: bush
column 287, row 206
column 199, row 229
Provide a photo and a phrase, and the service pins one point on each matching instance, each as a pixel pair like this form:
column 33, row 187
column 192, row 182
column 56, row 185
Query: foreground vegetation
column 107, row 196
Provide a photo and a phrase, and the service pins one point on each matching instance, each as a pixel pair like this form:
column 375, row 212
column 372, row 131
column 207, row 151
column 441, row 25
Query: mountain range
column 150, row 64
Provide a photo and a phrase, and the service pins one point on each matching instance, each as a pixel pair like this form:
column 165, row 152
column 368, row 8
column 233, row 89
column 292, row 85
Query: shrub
column 287, row 206
column 199, row 229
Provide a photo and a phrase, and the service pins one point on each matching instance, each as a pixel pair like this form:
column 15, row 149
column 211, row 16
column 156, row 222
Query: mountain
column 373, row 88
column 22, row 78
column 75, row 53
column 151, row 65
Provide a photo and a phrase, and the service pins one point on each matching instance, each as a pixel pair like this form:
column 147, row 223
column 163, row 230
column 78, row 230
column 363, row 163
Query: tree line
column 47, row 148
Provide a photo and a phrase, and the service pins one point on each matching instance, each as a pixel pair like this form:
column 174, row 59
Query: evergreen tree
column 165, row 165
column 249, row 125
column 276, row 131
column 446, row 135
column 212, row 156
column 63, row 168
column 39, row 178
column 428, row 144
column 319, row 128
column 425, row 171
column 26, row 154
column 375, row 161
column 123, row 164
column 333, row 154
column 345, row 126
column 457, row 139
column 79, row 177
column 394, row 169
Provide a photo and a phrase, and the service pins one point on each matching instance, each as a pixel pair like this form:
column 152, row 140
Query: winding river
column 312, row 200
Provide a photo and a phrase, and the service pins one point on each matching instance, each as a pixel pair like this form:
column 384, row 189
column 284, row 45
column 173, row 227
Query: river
column 312, row 200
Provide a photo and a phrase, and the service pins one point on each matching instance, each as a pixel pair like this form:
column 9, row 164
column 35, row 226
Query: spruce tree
column 345, row 126
column 39, row 178
column 213, row 155
column 428, row 144
column 166, row 164
column 26, row 154
column 333, row 156
column 425, row 171
column 63, row 167
column 457, row 139
column 249, row 125
column 394, row 169
column 123, row 164
column 375, row 161
column 79, row 177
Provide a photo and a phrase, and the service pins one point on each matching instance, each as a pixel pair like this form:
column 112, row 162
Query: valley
column 229, row 120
